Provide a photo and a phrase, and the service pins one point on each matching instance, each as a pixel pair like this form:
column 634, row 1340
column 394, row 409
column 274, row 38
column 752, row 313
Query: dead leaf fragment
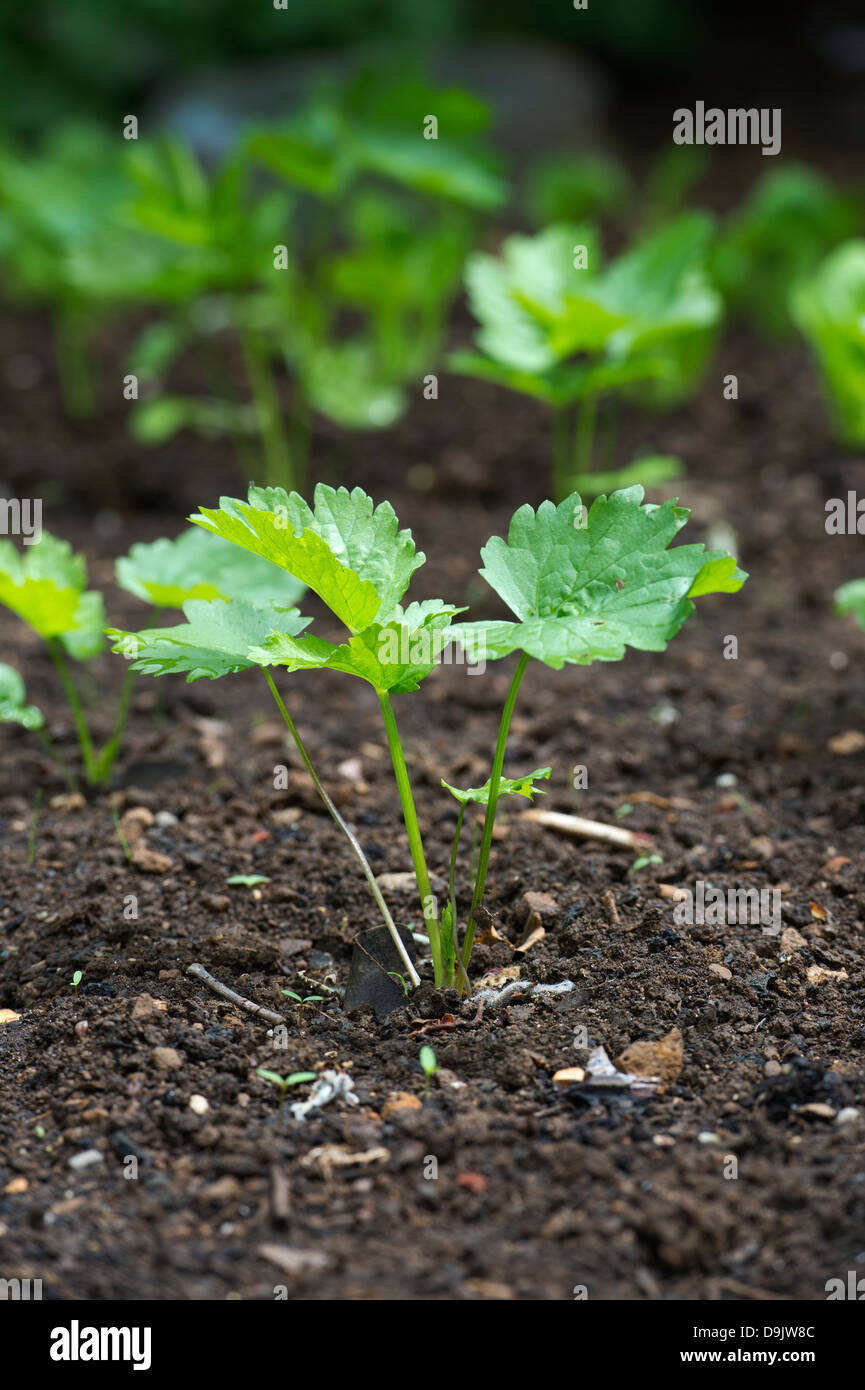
column 668, row 890
column 568, row 1076
column 9, row 1016
column 68, row 801
column 472, row 1182
column 662, row 1059
column 835, row 865
column 819, row 913
column 535, row 932
column 328, row 1156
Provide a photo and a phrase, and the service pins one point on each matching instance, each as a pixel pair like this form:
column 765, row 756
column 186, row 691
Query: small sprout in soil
column 247, row 881
column 400, row 980
column 302, row 1002
column 643, row 861
column 430, row 1067
column 624, row 810
column 39, row 1132
column 115, row 816
column 76, row 981
column 284, row 1083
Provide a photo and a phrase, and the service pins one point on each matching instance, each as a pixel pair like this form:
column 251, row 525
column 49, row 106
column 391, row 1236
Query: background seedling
column 76, row 981
column 285, row 1083
column 430, row 1068
column 247, row 881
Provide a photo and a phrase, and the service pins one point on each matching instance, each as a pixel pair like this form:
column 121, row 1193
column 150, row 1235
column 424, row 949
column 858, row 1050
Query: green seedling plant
column 246, row 880
column 46, row 586
column 789, row 223
column 829, row 308
column 76, row 981
column 850, row 599
column 557, row 327
column 430, row 1067
column 583, row 584
column 303, row 1002
column 285, row 1083
column 221, row 241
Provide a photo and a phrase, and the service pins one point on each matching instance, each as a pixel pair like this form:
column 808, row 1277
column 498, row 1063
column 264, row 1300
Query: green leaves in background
column 850, row 598
column 45, row 584
column 829, row 309
column 13, row 701
column 584, row 593
column 197, row 565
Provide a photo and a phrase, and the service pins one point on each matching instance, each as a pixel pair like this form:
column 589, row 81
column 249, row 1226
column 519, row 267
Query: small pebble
column 166, row 1059
column 199, row 1104
column 847, row 1115
column 88, row 1158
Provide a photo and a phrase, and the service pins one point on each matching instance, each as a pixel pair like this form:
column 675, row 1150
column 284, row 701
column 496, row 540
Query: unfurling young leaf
column 517, row 786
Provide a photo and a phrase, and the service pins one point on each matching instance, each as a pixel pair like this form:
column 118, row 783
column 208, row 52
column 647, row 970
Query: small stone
column 544, row 904
column 662, row 1059
column 225, row 1189
column 792, row 940
column 706, row 1136
column 16, row 1186
column 772, row 1068
column 199, row 1104
column 88, row 1158
column 819, row 1110
column 721, row 971
column 164, row 819
column 847, row 1115
column 819, row 975
column 568, row 1076
column 166, row 1059
column 146, row 1008
column 400, row 1100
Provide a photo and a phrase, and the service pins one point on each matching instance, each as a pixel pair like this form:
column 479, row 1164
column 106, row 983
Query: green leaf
column 349, row 552
column 214, row 641
column 198, row 565
column 585, row 586
column 13, row 709
column 344, row 382
column 850, row 598
column 247, row 880
column 393, row 656
column 46, row 587
column 830, row 310
column 508, row 786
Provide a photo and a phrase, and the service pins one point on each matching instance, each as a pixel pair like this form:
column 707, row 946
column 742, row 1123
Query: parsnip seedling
column 430, row 1067
column 285, row 1083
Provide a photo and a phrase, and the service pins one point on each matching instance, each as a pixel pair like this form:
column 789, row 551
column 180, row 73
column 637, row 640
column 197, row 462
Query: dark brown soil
column 539, row 1189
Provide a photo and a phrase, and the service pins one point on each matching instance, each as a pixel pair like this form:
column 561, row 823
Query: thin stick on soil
column 347, row 832
column 580, row 829
column 198, row 972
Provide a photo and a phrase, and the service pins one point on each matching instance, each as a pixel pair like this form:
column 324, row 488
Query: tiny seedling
column 302, row 1001
column 643, row 861
column 76, row 981
column 430, row 1067
column 400, row 980
column 285, row 1083
column 246, row 880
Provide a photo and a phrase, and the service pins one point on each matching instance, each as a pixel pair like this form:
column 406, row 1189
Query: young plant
column 46, row 586
column 790, row 221
column 583, row 585
column 850, row 598
column 830, row 310
column 76, row 981
column 285, row 1083
column 301, row 1001
column 430, row 1068
column 556, row 327
column 221, row 278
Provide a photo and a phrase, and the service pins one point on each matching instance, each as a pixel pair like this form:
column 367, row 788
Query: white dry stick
column 495, row 998
column 331, row 1085
column 580, row 829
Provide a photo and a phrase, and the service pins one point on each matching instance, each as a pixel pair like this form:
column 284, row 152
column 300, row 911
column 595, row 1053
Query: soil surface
column 743, row 1178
